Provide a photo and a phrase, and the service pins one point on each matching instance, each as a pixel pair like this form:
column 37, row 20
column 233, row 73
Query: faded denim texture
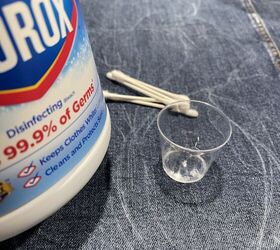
column 210, row 50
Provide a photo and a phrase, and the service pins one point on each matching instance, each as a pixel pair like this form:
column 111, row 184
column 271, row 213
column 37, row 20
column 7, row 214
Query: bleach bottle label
column 52, row 109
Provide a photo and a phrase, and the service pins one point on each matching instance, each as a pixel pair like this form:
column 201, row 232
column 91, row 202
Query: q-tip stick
column 120, row 97
column 163, row 99
column 136, row 100
column 142, row 89
column 159, row 97
column 118, row 75
column 148, row 104
column 147, row 101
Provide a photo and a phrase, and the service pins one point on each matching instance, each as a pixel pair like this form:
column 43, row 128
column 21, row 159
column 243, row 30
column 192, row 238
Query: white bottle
column 54, row 123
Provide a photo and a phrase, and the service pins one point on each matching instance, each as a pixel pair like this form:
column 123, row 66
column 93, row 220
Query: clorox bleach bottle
column 55, row 126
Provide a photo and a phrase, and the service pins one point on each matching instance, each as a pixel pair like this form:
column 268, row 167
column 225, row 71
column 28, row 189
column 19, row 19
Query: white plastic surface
column 58, row 195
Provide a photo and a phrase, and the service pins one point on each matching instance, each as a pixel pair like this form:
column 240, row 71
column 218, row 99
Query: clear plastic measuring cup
column 190, row 145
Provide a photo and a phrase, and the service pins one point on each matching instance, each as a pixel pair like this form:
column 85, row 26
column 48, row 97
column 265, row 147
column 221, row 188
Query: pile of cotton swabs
column 155, row 97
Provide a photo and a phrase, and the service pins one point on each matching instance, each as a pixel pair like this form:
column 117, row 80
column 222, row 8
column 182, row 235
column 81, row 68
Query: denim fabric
column 270, row 10
column 210, row 50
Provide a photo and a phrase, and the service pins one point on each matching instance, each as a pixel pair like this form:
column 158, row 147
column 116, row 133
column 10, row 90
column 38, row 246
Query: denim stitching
column 261, row 28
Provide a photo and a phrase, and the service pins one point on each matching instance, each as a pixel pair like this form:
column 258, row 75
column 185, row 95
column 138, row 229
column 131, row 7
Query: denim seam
column 263, row 32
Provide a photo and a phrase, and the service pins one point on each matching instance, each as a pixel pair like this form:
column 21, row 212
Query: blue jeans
column 212, row 50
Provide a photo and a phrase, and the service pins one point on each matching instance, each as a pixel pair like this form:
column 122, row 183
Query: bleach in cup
column 55, row 126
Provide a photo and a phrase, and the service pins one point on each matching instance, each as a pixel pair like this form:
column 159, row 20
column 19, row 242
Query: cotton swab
column 118, row 75
column 120, row 97
column 159, row 97
column 145, row 101
column 158, row 94
column 148, row 104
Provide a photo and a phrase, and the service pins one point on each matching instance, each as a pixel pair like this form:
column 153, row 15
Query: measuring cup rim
column 190, row 149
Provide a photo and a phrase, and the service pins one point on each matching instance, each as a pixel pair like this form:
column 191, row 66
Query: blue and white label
column 43, row 140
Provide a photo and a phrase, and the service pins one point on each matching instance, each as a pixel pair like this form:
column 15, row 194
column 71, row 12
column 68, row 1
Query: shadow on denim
column 71, row 226
column 204, row 191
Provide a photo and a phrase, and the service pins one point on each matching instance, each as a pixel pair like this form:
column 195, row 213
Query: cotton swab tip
column 110, row 75
column 182, row 97
column 192, row 113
